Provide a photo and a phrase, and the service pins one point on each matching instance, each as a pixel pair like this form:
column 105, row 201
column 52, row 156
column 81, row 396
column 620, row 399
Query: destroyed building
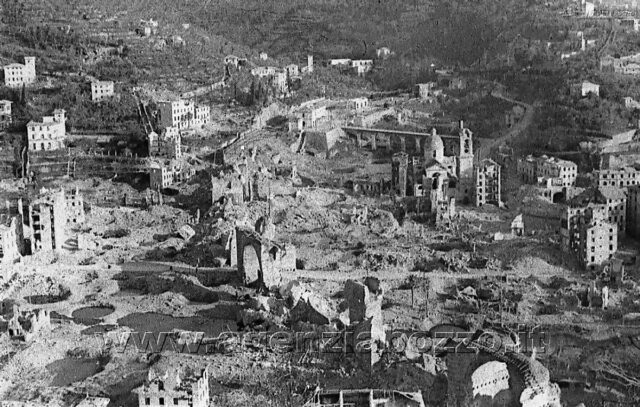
column 162, row 175
column 75, row 206
column 487, row 183
column 47, row 217
column 24, row 325
column 260, row 260
column 17, row 75
column 170, row 389
column 365, row 398
column 49, row 134
column 554, row 177
column 587, row 233
column 434, row 175
column 5, row 114
column 11, row 239
column 168, row 145
column 309, row 115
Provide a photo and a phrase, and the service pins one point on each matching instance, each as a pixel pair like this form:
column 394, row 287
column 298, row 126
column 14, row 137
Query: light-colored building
column 264, row 56
column 586, row 232
column 340, row 62
column 383, row 53
column 183, row 114
column 17, row 75
column 487, row 183
column 162, row 176
column 589, row 9
column 169, row 389
column 264, row 71
column 49, row 134
column 588, row 87
column 5, row 114
column 538, row 170
column 101, row 90
column 630, row 103
column 621, row 177
column 361, row 66
column 358, row 104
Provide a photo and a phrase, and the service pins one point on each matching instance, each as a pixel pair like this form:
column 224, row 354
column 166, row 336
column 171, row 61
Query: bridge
column 392, row 140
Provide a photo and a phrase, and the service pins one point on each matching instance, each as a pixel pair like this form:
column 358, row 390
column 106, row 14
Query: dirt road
column 487, row 145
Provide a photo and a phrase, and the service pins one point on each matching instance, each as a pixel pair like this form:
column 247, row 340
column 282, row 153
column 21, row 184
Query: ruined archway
column 557, row 197
column 250, row 264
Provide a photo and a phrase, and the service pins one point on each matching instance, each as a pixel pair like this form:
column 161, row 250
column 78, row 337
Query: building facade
column 621, row 178
column 173, row 390
column 534, row 170
column 5, row 114
column 49, row 134
column 183, row 114
column 633, row 211
column 358, row 104
column 101, row 90
column 168, row 145
column 18, row 75
column 487, row 183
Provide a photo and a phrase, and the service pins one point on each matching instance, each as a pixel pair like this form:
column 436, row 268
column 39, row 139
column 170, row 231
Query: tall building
column 167, row 145
column 17, row 75
column 49, row 134
column 589, row 228
column 562, row 173
column 487, row 183
column 48, row 219
column 633, row 211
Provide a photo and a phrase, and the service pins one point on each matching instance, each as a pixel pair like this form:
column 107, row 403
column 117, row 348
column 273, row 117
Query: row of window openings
column 593, row 259
column 147, row 401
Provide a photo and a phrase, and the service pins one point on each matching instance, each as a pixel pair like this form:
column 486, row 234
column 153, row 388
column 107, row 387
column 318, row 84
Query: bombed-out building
column 487, row 183
column 166, row 145
column 170, row 389
column 48, row 218
column 11, row 239
column 587, row 232
column 434, row 175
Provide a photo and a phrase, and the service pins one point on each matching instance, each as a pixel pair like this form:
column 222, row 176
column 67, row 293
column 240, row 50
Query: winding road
column 487, row 145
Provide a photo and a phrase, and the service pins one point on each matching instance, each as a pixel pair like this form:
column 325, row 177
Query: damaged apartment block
column 554, row 177
column 172, row 390
column 487, row 183
column 24, row 325
column 587, row 233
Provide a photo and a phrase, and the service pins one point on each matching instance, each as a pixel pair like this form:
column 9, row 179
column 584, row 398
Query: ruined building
column 587, row 233
column 434, row 175
column 75, row 206
column 487, row 183
column 47, row 218
column 49, row 134
column 11, row 239
column 260, row 260
column 168, row 145
column 25, row 324
column 365, row 398
column 553, row 175
column 613, row 199
column 169, row 389
column 5, row 114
